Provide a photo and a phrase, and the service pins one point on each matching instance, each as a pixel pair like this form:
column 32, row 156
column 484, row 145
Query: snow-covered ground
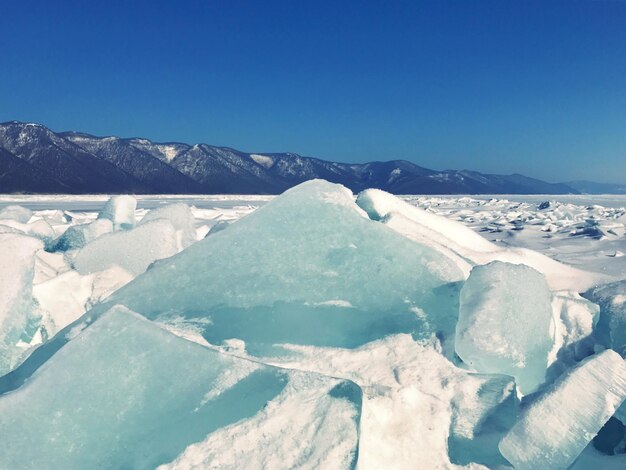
column 322, row 331
column 584, row 231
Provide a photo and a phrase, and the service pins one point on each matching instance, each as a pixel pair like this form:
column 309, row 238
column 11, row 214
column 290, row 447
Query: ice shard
column 133, row 250
column 181, row 218
column 558, row 425
column 39, row 229
column 124, row 393
column 17, row 253
column 121, row 211
column 64, row 298
column 505, row 323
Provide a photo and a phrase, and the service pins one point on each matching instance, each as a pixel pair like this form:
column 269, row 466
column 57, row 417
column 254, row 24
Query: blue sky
column 535, row 87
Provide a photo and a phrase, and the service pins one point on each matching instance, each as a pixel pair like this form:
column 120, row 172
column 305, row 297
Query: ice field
column 316, row 329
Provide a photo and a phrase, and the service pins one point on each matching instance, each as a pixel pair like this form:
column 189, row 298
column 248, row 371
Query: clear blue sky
column 536, row 87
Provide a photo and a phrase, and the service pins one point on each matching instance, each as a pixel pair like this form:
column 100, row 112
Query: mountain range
column 34, row 159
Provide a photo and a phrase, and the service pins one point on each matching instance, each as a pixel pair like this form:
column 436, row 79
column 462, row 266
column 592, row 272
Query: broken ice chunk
column 17, row 253
column 64, row 298
column 574, row 319
column 590, row 228
column 39, row 229
column 558, row 425
column 49, row 265
column 18, row 213
column 121, row 211
column 124, row 393
column 182, row 220
column 133, row 250
column 505, row 323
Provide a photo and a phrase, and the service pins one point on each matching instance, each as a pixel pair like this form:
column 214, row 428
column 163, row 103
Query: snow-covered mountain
column 34, row 159
column 65, row 162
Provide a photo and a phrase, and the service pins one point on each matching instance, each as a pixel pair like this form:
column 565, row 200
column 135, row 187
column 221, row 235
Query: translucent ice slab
column 124, row 393
column 505, row 323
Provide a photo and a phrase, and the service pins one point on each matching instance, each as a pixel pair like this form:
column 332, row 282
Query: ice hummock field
column 317, row 329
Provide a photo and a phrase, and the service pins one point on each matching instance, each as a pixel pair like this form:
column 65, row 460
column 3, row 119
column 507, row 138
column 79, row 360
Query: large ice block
column 17, row 253
column 182, row 220
column 64, row 298
column 133, row 250
column 557, row 426
column 124, row 393
column 505, row 323
column 121, row 211
column 308, row 268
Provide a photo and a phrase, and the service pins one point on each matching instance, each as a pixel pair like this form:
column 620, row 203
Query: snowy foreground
column 312, row 330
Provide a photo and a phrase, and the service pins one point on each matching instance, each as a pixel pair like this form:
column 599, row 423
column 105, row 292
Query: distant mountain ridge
column 34, row 159
column 589, row 187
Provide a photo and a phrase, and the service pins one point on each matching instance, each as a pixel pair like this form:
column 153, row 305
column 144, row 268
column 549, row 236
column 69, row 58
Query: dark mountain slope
column 224, row 170
column 133, row 157
column 18, row 176
column 67, row 162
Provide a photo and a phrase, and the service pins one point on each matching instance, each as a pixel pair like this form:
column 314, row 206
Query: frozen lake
column 325, row 329
column 94, row 202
